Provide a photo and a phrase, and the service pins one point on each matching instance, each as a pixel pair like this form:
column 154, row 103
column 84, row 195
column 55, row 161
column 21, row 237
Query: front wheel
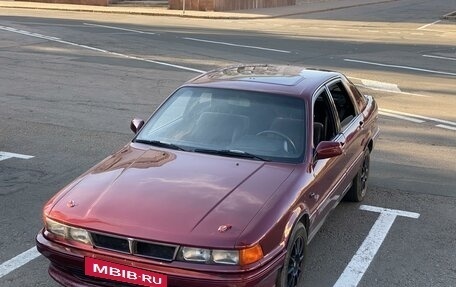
column 359, row 186
column 293, row 267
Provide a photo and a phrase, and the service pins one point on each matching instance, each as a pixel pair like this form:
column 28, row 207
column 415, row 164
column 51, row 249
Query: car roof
column 290, row 80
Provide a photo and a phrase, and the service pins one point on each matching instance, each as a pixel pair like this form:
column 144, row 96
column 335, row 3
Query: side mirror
column 136, row 124
column 328, row 149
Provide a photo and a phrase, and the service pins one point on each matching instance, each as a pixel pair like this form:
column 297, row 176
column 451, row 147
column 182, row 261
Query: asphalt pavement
column 72, row 81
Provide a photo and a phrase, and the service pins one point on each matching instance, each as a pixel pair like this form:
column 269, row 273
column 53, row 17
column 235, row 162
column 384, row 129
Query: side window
column 343, row 102
column 324, row 124
column 359, row 98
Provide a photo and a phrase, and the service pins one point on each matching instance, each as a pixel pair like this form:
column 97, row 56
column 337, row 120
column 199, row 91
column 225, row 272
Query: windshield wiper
column 160, row 144
column 231, row 152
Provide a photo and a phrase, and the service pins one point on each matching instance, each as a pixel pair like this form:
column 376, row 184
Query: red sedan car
column 224, row 185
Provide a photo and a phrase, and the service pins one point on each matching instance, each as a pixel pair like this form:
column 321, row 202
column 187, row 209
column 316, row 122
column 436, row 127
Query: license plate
column 123, row 273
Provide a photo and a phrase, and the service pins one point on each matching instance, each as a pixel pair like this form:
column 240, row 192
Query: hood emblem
column 224, row 228
column 71, row 203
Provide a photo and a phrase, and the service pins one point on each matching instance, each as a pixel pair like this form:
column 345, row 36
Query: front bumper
column 67, row 268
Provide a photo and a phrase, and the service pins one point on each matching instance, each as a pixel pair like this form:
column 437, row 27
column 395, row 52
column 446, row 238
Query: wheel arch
column 299, row 215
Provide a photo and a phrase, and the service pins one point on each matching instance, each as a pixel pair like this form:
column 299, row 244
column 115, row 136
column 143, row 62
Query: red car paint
column 183, row 198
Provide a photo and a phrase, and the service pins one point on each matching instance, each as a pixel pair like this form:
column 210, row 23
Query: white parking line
column 419, row 117
column 6, row 155
column 18, row 261
column 380, row 85
column 58, row 40
column 401, row 67
column 236, row 45
column 427, row 25
column 396, row 92
column 396, row 212
column 446, row 127
column 439, row 57
column 383, row 87
column 118, row 28
column 401, row 117
column 416, row 118
column 355, row 270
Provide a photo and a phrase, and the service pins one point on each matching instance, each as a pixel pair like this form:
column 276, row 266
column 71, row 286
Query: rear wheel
column 293, row 267
column 359, row 186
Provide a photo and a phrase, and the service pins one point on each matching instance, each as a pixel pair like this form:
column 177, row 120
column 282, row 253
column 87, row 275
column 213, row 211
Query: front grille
column 111, row 243
column 160, row 251
column 155, row 250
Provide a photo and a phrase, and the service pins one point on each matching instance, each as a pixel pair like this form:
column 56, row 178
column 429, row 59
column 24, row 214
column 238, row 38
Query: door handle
column 314, row 195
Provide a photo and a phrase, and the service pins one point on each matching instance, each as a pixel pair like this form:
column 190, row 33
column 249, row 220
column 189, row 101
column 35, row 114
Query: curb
column 214, row 17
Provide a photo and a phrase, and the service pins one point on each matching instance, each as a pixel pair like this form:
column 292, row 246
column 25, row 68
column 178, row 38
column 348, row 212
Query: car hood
column 175, row 197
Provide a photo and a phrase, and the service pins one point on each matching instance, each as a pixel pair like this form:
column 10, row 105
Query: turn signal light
column 250, row 255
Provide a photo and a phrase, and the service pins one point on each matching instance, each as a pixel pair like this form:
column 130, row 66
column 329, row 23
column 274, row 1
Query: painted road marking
column 396, row 92
column 383, row 87
column 446, row 127
column 395, row 212
column 6, row 155
column 427, row 25
column 118, row 28
column 380, row 85
column 236, row 45
column 401, row 67
column 419, row 117
column 58, row 40
column 401, row 117
column 359, row 264
column 36, row 35
column 439, row 57
column 18, row 261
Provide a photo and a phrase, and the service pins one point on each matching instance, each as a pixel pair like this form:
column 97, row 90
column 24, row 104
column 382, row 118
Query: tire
column 293, row 268
column 357, row 191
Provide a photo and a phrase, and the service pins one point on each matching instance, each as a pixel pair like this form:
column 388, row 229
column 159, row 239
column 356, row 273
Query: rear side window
column 359, row 98
column 343, row 102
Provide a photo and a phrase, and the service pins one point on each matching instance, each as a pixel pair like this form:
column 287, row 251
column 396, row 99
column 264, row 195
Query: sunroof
column 282, row 80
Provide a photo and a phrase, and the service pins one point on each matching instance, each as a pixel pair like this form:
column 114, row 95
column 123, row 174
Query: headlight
column 68, row 232
column 196, row 254
column 55, row 227
column 227, row 257
column 80, row 235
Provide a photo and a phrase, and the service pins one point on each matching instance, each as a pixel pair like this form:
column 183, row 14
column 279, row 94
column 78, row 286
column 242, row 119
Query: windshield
column 228, row 122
